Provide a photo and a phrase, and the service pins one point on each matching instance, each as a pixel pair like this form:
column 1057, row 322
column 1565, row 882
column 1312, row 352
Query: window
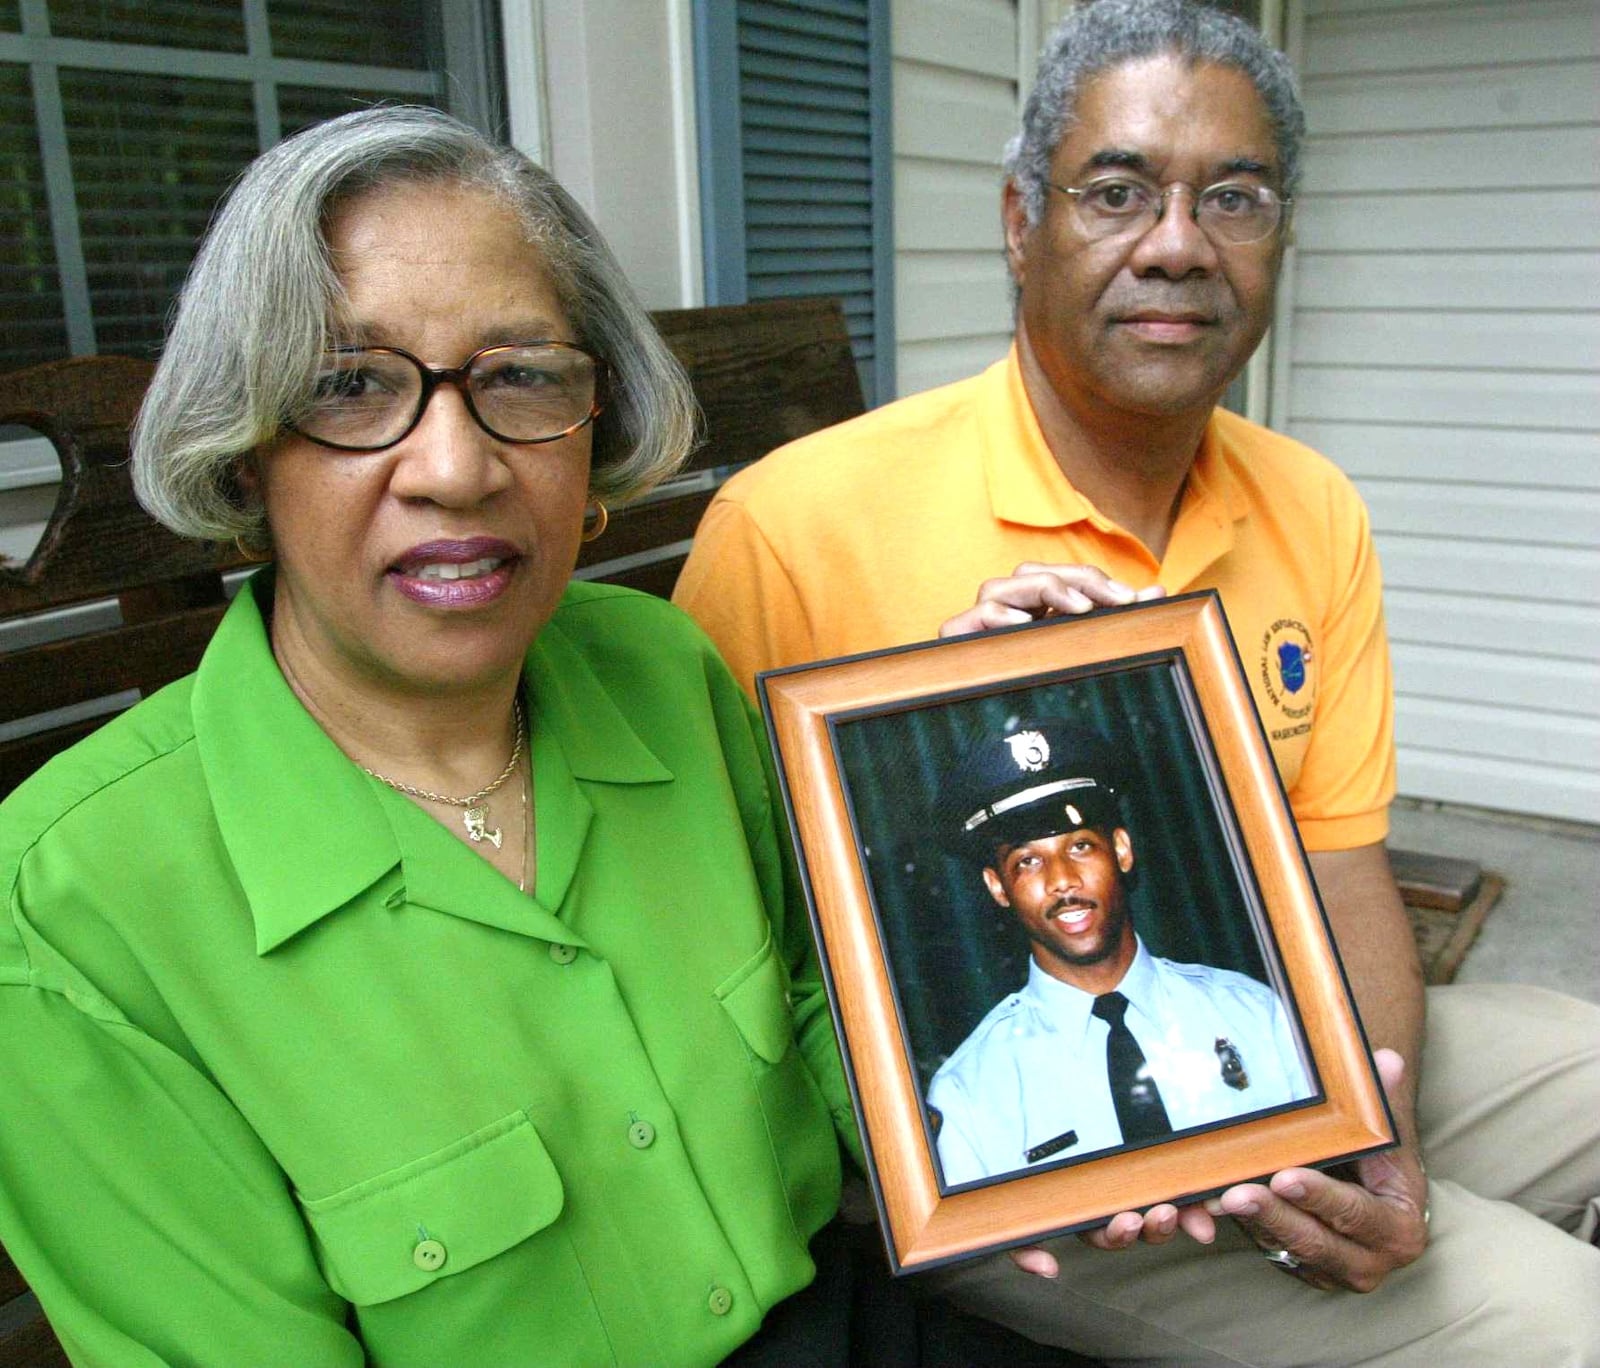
column 794, row 114
column 123, row 121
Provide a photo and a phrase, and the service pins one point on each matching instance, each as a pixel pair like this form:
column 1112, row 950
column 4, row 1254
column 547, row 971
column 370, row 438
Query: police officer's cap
column 1038, row 778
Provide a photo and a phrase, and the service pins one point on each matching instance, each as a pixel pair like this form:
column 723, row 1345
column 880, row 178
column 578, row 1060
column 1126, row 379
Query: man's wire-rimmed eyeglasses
column 1230, row 212
column 370, row 398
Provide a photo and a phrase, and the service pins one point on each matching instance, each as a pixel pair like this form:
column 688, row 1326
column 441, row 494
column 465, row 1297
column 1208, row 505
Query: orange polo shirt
column 872, row 533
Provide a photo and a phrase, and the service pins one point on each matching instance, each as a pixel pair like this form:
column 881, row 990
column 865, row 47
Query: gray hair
column 1108, row 33
column 255, row 315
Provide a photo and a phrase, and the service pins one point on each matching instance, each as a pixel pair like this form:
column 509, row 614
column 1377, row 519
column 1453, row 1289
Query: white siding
column 955, row 104
column 620, row 134
column 1444, row 348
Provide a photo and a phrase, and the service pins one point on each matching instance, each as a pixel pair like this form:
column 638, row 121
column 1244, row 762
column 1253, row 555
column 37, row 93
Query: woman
column 420, row 981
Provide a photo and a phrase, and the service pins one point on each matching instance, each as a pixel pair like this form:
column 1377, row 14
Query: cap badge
column 1030, row 750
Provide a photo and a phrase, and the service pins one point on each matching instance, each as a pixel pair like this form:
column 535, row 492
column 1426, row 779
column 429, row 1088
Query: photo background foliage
column 952, row 952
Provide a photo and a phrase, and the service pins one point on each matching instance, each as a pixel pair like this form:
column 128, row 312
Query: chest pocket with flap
column 756, row 997
column 437, row 1216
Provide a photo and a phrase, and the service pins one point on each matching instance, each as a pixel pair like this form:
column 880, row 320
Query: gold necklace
column 475, row 816
column 525, row 789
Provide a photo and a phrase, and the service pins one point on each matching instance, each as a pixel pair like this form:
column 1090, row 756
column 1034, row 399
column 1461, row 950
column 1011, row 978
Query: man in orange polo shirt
column 1145, row 208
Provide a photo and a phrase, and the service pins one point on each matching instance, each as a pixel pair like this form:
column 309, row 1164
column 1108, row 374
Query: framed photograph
column 1074, row 952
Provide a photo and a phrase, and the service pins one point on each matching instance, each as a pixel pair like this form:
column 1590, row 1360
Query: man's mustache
column 1204, row 301
column 1070, row 903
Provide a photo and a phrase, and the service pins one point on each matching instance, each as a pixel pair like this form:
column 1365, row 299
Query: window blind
column 30, row 289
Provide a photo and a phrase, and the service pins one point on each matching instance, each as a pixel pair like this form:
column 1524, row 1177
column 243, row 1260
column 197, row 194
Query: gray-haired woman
column 420, row 981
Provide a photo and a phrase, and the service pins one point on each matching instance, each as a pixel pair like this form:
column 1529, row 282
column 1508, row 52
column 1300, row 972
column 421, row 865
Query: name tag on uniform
column 1066, row 1140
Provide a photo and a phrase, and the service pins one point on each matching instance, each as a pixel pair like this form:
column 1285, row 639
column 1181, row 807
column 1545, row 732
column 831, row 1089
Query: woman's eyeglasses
column 370, row 398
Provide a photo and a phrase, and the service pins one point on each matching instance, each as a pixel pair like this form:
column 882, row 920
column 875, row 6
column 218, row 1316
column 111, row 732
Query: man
column 1107, row 1044
column 1145, row 208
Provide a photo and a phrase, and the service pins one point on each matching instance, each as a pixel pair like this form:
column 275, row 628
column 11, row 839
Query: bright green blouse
column 290, row 1076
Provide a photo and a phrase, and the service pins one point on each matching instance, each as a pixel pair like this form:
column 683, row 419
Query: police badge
column 1233, row 1071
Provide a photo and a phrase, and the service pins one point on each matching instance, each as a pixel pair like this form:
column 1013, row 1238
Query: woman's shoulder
column 595, row 596
column 607, row 648
column 101, row 765
column 605, row 619
column 88, row 806
column 637, row 645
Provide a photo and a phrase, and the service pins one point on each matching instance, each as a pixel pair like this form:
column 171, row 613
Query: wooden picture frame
column 866, row 746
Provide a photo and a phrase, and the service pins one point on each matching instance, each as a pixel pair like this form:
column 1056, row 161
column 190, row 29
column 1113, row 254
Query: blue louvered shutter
column 794, row 106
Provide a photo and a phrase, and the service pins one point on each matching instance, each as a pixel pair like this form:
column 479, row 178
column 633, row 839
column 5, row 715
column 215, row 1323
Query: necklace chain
column 472, row 799
column 527, row 834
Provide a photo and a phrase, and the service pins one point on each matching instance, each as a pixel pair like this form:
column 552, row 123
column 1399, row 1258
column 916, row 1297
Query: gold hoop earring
column 255, row 555
column 592, row 530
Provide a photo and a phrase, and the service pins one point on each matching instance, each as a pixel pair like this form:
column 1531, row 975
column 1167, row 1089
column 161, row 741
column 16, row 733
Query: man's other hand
column 1345, row 1234
column 1349, row 1235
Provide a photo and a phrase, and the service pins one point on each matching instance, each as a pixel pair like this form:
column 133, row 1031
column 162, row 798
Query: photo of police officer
column 1106, row 1045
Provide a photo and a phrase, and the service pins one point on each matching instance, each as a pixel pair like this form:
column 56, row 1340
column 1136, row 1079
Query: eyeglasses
column 370, row 398
column 1227, row 212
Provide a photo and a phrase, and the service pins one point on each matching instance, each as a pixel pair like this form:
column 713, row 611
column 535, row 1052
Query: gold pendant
column 473, row 819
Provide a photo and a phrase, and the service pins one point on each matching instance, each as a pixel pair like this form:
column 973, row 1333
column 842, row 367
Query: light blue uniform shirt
column 1032, row 1076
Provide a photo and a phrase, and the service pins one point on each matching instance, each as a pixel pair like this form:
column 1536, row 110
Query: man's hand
column 1350, row 1235
column 1034, row 590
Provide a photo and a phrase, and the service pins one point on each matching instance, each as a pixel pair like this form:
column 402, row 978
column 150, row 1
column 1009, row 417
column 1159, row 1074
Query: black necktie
column 1140, row 1111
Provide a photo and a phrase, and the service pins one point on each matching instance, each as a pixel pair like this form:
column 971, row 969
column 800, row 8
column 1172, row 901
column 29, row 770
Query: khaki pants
column 1510, row 1121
